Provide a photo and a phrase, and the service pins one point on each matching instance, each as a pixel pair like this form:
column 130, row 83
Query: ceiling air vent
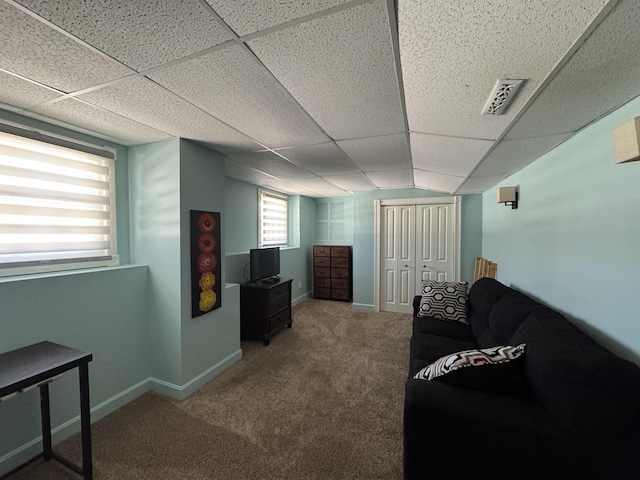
column 501, row 96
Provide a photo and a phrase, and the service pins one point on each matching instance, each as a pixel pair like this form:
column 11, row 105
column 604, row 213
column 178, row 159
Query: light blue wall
column 154, row 177
column 103, row 311
column 364, row 238
column 573, row 241
column 241, row 235
column 210, row 342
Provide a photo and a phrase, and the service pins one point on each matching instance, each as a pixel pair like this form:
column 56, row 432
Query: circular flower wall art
column 205, row 262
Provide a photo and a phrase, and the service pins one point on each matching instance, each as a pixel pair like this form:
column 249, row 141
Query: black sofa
column 569, row 410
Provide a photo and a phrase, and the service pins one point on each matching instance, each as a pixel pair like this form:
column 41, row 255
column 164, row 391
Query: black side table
column 37, row 365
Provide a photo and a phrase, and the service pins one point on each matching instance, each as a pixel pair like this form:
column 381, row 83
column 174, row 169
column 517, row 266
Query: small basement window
column 57, row 203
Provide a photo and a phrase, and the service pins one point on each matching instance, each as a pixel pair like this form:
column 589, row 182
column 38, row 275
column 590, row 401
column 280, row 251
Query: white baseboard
column 362, row 306
column 301, row 298
column 180, row 392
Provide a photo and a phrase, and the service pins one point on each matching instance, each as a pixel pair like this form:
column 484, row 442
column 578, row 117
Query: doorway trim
column 455, row 200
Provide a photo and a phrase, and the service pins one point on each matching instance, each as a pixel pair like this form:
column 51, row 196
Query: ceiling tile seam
column 582, row 38
column 438, row 173
column 117, row 114
column 65, row 96
column 187, row 58
column 219, row 19
column 69, row 35
column 395, row 45
column 209, row 114
column 34, row 82
column 291, row 181
column 353, row 163
column 284, row 90
column 452, row 136
column 307, row 18
column 79, row 129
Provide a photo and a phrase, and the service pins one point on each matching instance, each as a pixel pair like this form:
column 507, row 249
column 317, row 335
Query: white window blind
column 273, row 219
column 57, row 207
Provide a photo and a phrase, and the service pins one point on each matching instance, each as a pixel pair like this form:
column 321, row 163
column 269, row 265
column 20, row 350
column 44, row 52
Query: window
column 57, row 204
column 273, row 216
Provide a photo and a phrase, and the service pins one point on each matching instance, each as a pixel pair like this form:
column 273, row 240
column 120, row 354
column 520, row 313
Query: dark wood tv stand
column 265, row 308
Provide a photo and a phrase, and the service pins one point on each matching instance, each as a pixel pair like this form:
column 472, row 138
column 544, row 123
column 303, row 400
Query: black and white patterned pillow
column 444, row 300
column 490, row 366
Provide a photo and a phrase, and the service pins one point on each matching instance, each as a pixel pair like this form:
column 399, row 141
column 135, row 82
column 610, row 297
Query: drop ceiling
column 326, row 97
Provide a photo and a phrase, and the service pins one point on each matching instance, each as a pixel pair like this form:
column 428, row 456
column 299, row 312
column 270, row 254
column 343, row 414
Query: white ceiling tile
column 230, row 85
column 20, row 93
column 509, row 156
column 240, row 171
column 270, row 163
column 32, row 50
column 437, row 182
column 372, row 154
column 351, row 182
column 450, row 155
column 479, row 184
column 141, row 33
column 146, row 102
column 76, row 113
column 608, row 59
column 341, row 69
column 317, row 185
column 401, row 178
column 321, row 159
column 251, row 16
column 452, row 53
column 287, row 187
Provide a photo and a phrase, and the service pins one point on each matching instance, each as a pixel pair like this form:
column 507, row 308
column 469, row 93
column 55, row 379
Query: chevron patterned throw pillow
column 444, row 300
column 491, row 366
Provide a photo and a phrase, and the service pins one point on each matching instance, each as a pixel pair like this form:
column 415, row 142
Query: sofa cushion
column 479, row 368
column 430, row 347
column 583, row 385
column 483, row 295
column 444, row 300
column 507, row 315
column 443, row 328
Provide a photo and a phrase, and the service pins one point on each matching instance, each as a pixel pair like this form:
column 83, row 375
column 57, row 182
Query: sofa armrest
column 416, row 305
column 456, row 433
column 452, row 432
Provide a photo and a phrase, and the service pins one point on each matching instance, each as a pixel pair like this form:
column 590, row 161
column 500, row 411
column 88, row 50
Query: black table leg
column 85, row 422
column 45, row 414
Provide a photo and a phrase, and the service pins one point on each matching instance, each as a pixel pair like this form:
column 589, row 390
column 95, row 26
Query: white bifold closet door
column 417, row 242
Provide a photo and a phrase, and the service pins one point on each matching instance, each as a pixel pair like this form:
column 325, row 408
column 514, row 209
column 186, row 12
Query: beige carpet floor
column 323, row 401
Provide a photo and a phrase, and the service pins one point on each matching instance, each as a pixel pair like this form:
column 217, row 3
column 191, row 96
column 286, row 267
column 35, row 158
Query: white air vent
column 501, row 96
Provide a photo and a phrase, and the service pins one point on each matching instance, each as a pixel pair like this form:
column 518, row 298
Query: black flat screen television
column 264, row 263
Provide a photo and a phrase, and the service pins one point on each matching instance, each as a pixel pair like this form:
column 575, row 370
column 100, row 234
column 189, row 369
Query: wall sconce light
column 626, row 141
column 508, row 196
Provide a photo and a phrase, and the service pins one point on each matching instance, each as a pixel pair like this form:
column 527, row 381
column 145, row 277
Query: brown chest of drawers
column 332, row 272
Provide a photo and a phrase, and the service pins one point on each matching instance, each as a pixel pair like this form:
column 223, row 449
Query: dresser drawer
column 279, row 291
column 279, row 320
column 340, row 283
column 339, row 273
column 340, row 251
column 278, row 304
column 321, row 261
column 319, row 251
column 339, row 294
column 322, row 293
column 339, row 262
column 321, row 282
column 322, row 272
